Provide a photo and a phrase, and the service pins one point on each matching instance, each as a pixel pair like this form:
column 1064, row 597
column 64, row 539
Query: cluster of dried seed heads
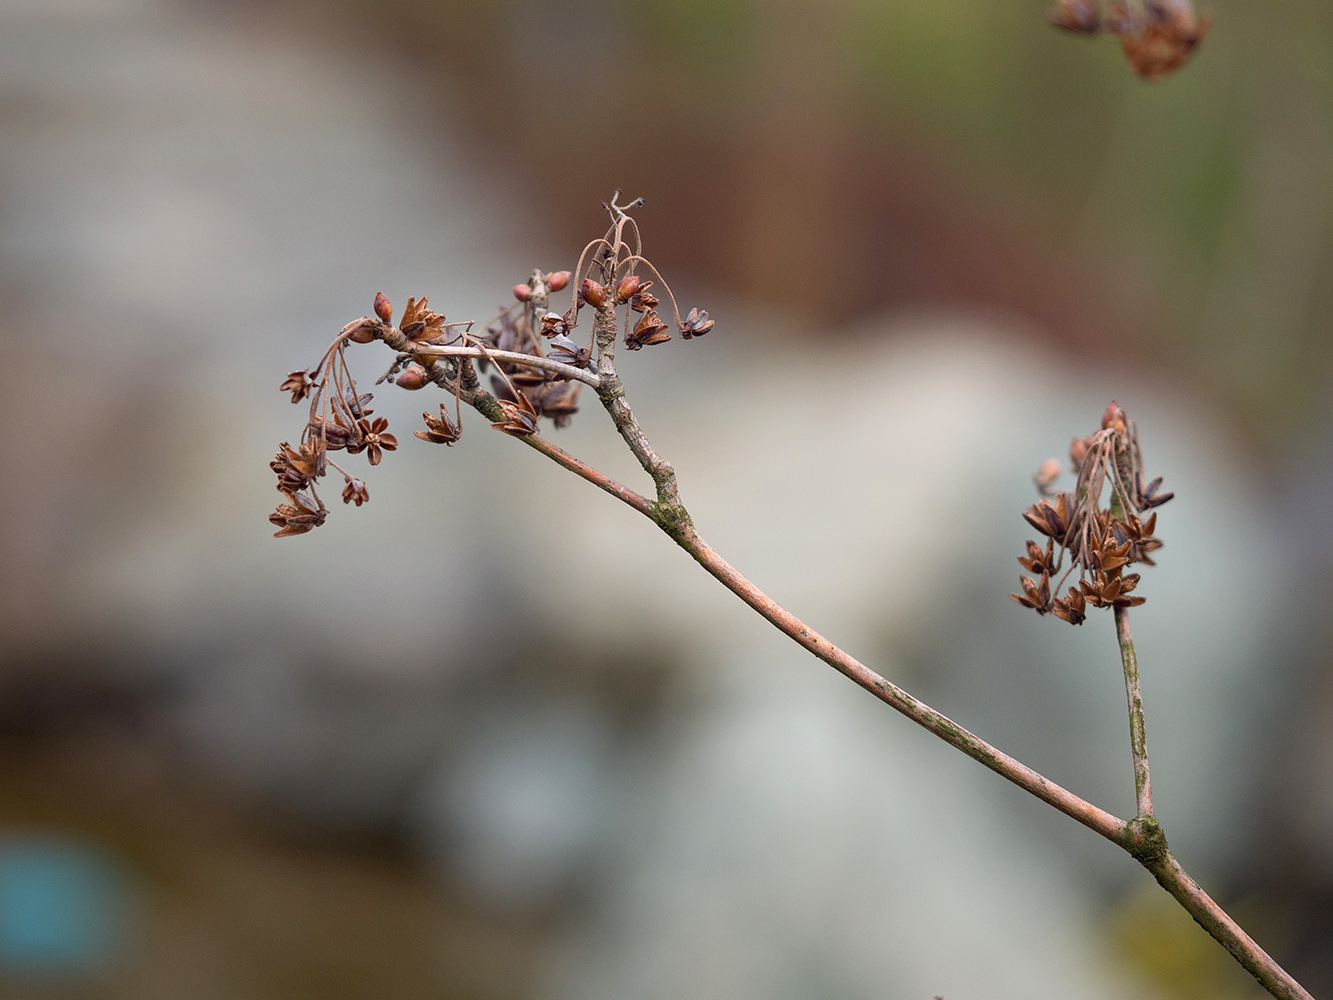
column 1158, row 37
column 339, row 417
column 1100, row 542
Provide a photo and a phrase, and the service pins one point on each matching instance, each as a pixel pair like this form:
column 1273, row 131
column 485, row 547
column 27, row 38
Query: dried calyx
column 607, row 279
column 1100, row 542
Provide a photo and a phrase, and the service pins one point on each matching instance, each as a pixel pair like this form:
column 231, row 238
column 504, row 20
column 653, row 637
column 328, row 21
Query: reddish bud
column 557, row 280
column 412, row 377
column 592, row 293
column 1113, row 412
column 362, row 333
column 522, row 292
column 628, row 287
column 383, row 308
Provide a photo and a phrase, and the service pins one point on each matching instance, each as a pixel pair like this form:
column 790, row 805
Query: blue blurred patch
column 64, row 906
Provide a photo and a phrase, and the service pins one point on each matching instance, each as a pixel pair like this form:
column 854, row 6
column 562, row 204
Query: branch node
column 1145, row 840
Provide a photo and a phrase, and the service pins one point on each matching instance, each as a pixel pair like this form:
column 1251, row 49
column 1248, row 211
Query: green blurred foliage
column 1207, row 196
column 1199, row 208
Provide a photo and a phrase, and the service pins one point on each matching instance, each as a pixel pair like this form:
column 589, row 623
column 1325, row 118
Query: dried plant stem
column 1212, row 918
column 1110, row 827
column 1138, row 737
column 1141, row 837
column 528, row 360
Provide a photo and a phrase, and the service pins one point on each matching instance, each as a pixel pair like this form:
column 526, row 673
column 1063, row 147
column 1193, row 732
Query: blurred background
column 426, row 752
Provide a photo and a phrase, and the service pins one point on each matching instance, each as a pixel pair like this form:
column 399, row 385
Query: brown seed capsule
column 412, row 377
column 592, row 293
column 522, row 292
column 557, row 280
column 628, row 287
column 383, row 308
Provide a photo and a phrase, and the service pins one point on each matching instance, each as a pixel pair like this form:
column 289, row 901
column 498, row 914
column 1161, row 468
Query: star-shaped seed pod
column 1040, row 562
column 649, row 330
column 298, row 384
column 1072, row 607
column 520, row 418
column 1036, row 595
column 441, row 430
column 419, row 322
column 696, row 324
column 1050, row 517
column 374, row 439
column 299, row 515
column 354, row 491
column 1106, row 591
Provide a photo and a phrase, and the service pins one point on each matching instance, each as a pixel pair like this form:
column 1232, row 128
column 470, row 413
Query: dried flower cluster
column 432, row 350
column 1158, row 37
column 1100, row 542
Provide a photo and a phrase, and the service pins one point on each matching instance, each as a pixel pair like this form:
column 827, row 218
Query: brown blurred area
column 239, row 771
column 837, row 161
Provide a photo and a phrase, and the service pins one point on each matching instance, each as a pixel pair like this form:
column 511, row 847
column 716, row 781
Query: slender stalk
column 1109, row 826
column 1138, row 737
column 1212, row 918
column 528, row 360
column 1141, row 837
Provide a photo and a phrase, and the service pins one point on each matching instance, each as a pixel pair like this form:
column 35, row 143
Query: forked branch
column 532, row 382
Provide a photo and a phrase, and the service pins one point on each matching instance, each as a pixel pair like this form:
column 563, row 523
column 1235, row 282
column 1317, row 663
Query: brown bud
column 592, row 293
column 363, row 332
column 1047, row 473
column 1078, row 450
column 412, row 377
column 557, row 280
column 383, row 308
column 522, row 292
column 628, row 287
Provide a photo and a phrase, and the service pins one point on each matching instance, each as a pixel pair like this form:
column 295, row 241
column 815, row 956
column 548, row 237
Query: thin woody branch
column 400, row 343
column 1099, row 543
column 1138, row 738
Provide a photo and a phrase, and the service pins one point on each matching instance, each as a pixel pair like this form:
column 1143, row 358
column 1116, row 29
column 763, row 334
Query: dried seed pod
column 298, row 384
column 299, row 515
column 644, row 301
column 354, row 491
column 439, row 431
column 648, row 331
column 696, row 324
column 555, row 325
column 1036, row 595
column 520, row 418
column 419, row 322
